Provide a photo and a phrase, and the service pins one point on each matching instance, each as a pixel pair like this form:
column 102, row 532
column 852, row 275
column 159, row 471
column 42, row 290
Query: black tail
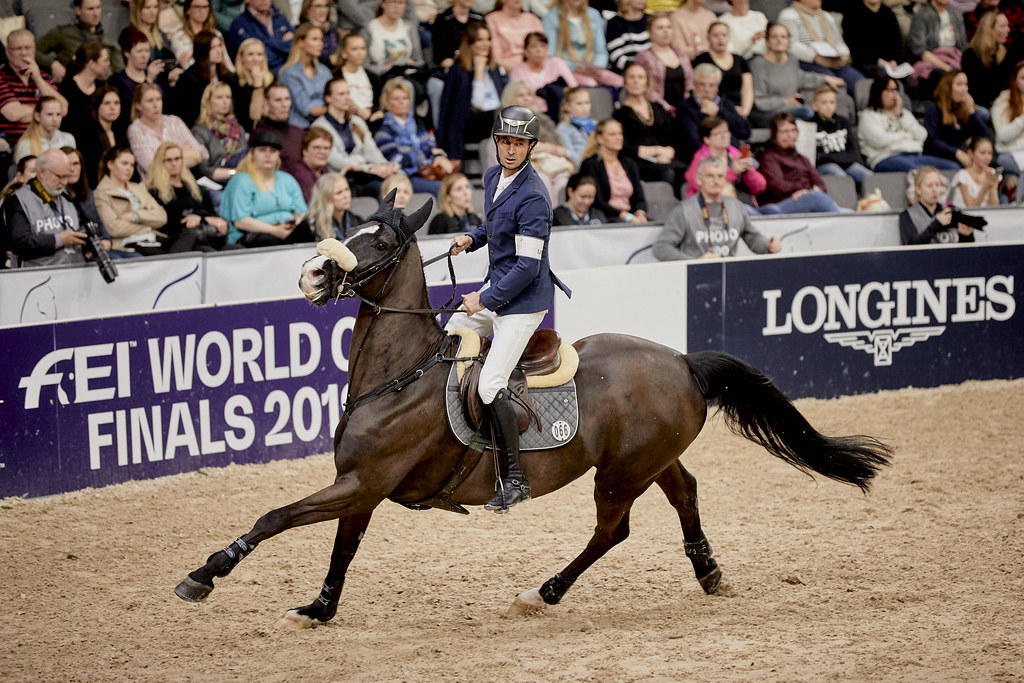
column 756, row 409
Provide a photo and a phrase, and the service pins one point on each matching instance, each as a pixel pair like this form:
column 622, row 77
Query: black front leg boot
column 512, row 486
column 199, row 584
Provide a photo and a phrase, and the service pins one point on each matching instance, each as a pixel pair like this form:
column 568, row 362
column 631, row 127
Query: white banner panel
column 34, row 295
column 645, row 300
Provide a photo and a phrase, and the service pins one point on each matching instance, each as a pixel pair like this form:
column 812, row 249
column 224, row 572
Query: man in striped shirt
column 22, row 84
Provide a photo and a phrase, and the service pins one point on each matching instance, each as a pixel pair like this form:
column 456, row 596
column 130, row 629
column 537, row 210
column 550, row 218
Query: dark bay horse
column 641, row 404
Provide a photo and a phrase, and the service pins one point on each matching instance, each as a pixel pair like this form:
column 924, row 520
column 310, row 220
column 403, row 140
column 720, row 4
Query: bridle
column 346, row 290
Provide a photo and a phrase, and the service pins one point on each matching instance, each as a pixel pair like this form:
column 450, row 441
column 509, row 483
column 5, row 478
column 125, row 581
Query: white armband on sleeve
column 530, row 247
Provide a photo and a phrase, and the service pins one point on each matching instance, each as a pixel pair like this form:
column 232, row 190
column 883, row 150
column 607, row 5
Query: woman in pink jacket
column 745, row 181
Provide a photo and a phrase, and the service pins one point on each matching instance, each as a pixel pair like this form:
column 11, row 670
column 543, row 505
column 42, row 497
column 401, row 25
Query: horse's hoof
column 192, row 591
column 293, row 621
column 711, row 581
column 526, row 603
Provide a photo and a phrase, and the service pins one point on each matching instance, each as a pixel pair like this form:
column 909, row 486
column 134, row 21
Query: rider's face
column 512, row 152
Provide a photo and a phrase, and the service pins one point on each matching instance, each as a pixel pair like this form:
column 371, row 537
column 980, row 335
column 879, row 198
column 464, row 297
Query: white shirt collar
column 504, row 181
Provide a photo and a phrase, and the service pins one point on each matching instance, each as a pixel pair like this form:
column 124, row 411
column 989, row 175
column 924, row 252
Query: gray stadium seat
column 770, row 8
column 660, row 200
column 893, row 186
column 842, row 189
column 601, row 104
column 759, row 136
column 419, row 199
column 364, row 206
column 471, row 161
column 478, row 200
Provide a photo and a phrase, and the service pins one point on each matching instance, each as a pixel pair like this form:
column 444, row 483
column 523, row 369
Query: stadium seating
column 892, row 185
column 601, row 104
column 842, row 189
column 364, row 206
column 660, row 200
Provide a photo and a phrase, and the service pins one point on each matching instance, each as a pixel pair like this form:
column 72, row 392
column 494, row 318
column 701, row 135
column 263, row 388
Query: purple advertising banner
column 836, row 325
column 102, row 401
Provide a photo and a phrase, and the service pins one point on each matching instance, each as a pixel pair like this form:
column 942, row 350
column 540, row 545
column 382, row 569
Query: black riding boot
column 511, row 487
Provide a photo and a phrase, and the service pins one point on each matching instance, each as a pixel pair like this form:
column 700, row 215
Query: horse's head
column 376, row 246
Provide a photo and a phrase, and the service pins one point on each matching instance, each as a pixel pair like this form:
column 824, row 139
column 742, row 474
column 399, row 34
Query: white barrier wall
column 160, row 283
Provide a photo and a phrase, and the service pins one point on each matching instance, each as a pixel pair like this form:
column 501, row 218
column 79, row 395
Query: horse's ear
column 388, row 203
column 417, row 218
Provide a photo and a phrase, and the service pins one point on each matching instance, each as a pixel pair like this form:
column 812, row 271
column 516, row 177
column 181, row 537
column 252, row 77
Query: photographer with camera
column 925, row 222
column 42, row 222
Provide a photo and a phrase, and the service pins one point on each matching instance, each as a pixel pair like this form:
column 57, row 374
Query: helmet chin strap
column 529, row 153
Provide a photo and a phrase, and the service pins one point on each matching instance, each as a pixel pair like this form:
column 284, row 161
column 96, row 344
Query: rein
column 393, row 260
column 415, row 373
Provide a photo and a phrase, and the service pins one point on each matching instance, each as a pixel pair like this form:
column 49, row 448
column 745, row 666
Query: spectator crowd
column 168, row 126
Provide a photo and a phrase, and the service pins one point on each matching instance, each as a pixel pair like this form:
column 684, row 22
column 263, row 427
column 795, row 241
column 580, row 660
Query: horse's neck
column 387, row 344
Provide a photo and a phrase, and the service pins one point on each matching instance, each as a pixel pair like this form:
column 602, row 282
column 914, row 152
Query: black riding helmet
column 515, row 122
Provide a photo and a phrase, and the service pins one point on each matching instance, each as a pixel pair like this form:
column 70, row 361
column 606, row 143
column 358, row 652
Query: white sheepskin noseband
column 339, row 253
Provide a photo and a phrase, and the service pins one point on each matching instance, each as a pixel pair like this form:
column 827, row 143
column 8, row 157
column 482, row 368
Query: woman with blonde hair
column 365, row 86
column 197, row 16
column 144, row 16
column 927, row 221
column 456, row 207
column 131, row 215
column 219, row 131
column 990, row 58
column 192, row 222
column 620, row 192
column 150, row 126
column 329, row 205
column 576, row 32
column 305, row 76
column 401, row 184
column 318, row 13
column 404, row 140
column 261, row 202
column 252, row 75
column 44, row 132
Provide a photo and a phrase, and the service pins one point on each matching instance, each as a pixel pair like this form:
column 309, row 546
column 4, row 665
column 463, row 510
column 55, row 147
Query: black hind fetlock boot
column 511, row 487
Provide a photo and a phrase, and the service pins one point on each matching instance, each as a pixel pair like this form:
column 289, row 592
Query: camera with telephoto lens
column 976, row 222
column 107, row 268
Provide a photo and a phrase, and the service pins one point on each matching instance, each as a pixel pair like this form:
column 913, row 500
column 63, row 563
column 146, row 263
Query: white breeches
column 511, row 335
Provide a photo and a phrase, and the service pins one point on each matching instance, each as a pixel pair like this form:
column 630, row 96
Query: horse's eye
column 380, row 246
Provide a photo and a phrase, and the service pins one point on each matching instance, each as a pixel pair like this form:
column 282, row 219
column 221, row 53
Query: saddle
column 541, row 357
